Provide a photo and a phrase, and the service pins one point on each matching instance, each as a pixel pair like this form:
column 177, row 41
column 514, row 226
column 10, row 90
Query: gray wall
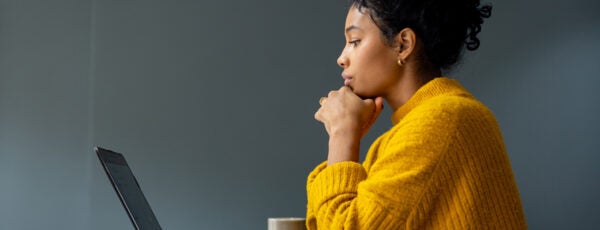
column 212, row 104
column 45, row 166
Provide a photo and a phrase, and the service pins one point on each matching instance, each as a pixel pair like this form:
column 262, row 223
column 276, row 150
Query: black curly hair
column 443, row 26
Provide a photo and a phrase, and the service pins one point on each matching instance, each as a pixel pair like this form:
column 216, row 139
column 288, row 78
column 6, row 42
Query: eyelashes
column 354, row 43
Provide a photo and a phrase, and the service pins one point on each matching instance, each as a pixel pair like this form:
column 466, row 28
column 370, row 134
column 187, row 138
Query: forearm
column 331, row 189
column 334, row 201
column 352, row 212
column 343, row 147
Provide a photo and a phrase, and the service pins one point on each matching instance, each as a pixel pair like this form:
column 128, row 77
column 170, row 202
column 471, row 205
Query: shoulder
column 449, row 108
column 444, row 114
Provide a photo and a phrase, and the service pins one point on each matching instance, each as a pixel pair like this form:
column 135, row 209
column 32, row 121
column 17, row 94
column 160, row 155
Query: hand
column 347, row 118
column 344, row 112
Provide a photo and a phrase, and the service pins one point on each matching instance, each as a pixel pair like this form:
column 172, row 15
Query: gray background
column 213, row 102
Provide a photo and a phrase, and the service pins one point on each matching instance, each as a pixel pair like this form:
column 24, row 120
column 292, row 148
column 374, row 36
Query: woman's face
column 370, row 65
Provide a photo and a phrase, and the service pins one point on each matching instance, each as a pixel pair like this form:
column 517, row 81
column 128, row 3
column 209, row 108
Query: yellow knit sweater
column 443, row 165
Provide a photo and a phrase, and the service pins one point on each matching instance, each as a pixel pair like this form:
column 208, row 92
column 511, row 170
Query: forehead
column 359, row 18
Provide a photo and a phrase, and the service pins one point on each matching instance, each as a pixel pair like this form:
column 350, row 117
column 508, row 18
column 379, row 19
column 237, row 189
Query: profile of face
column 370, row 66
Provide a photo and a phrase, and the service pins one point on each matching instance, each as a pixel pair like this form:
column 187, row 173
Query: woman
column 443, row 165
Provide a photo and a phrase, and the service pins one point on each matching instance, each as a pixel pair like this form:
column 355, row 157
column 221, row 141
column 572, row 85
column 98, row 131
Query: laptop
column 128, row 189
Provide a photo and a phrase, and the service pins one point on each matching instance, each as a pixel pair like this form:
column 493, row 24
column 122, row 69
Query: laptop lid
column 128, row 190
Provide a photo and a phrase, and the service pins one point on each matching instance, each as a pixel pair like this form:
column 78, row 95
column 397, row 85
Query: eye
column 354, row 43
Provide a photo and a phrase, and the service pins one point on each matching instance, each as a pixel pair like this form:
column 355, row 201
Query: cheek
column 376, row 61
column 377, row 71
column 377, row 53
column 365, row 58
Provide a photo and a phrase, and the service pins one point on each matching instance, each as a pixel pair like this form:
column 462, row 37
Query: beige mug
column 287, row 223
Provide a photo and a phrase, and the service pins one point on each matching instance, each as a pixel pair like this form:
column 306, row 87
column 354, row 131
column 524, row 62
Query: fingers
column 322, row 100
column 377, row 104
column 339, row 98
column 343, row 108
column 318, row 114
column 345, row 89
column 319, row 117
column 378, row 108
column 332, row 93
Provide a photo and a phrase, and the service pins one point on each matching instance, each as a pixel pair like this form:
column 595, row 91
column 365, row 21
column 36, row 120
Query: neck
column 408, row 84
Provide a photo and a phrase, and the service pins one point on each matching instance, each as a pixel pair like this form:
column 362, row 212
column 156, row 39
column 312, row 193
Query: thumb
column 377, row 110
column 378, row 105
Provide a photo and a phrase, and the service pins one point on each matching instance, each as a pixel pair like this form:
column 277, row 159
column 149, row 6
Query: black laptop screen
column 128, row 189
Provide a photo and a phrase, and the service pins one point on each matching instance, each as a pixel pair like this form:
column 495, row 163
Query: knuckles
column 342, row 90
column 332, row 93
column 317, row 115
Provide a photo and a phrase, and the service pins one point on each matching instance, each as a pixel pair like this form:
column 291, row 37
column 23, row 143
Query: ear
column 405, row 42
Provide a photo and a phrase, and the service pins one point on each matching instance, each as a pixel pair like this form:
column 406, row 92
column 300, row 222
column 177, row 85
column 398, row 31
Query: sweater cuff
column 315, row 173
column 333, row 180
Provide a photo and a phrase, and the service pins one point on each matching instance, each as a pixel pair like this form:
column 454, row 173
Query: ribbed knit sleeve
column 343, row 196
column 310, row 214
column 442, row 166
column 331, row 187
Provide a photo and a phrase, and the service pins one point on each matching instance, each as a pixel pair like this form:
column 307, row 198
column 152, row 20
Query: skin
column 371, row 74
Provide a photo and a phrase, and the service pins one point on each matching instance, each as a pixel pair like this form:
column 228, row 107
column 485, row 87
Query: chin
column 365, row 95
column 361, row 94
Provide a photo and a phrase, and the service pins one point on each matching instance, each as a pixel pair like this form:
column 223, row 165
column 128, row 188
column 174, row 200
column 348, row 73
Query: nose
column 342, row 60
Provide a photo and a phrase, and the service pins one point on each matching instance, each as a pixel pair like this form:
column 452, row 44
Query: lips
column 347, row 79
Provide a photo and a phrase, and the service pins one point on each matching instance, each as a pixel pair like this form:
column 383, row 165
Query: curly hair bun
column 445, row 27
column 476, row 15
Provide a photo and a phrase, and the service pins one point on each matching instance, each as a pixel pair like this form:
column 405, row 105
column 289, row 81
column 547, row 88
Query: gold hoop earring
column 400, row 62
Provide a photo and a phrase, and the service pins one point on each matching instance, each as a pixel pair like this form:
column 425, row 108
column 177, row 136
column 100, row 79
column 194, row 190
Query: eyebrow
column 352, row 27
